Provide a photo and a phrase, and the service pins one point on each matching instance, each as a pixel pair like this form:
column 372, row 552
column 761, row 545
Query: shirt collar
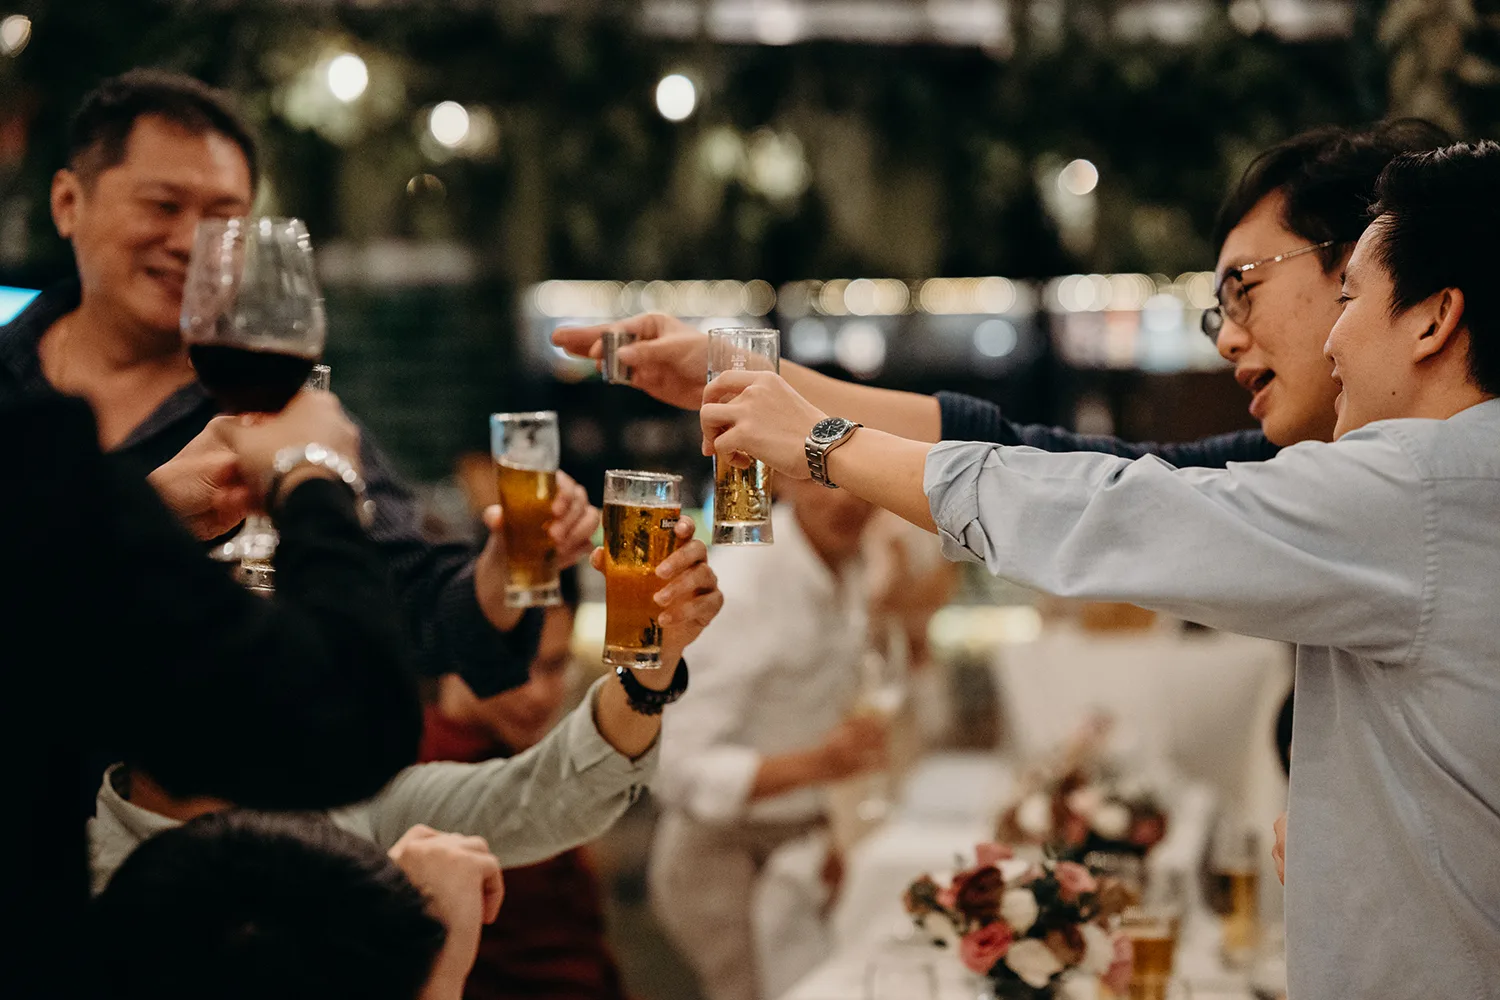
column 118, row 828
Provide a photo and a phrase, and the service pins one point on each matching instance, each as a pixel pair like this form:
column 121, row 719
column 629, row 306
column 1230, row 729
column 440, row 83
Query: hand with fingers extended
column 668, row 361
column 757, row 415
column 464, row 888
column 574, row 521
column 689, row 599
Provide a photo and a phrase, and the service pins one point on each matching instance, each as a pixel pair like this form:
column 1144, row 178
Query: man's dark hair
column 1327, row 176
column 101, row 127
column 244, row 906
column 1436, row 221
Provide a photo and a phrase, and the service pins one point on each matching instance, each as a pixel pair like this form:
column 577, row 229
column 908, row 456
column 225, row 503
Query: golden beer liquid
column 1154, row 945
column 526, row 497
column 741, row 496
column 636, row 540
column 1242, row 922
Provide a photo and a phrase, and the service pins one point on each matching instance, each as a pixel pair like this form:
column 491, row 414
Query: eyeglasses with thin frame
column 1234, row 297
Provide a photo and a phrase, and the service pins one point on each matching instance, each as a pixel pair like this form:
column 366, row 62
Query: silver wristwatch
column 827, row 434
column 291, row 457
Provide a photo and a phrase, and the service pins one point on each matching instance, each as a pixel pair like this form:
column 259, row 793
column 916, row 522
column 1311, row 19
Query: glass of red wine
column 253, row 322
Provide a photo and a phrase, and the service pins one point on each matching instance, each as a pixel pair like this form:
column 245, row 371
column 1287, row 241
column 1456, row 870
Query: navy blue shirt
column 966, row 418
column 434, row 581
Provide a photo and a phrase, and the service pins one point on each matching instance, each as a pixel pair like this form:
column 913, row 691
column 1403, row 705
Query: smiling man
column 150, row 155
column 1375, row 554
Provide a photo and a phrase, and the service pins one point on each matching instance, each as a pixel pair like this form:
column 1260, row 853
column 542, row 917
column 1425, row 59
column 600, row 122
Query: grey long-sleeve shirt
column 563, row 792
column 1379, row 556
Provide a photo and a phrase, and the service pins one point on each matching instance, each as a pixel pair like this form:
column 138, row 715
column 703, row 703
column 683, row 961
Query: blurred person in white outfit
column 747, row 752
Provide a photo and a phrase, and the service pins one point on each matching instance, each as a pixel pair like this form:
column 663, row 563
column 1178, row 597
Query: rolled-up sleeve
column 1324, row 544
column 563, row 792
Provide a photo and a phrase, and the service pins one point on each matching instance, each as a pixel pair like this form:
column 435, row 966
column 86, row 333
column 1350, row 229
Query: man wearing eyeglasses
column 1284, row 234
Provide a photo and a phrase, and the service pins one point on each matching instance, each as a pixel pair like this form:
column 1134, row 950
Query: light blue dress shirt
column 1379, row 556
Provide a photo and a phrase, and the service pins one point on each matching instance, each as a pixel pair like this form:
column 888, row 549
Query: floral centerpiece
column 1026, row 925
column 1081, row 810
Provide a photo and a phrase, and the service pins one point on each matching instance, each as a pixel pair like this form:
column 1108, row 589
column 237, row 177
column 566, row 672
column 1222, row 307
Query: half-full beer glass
column 742, row 497
column 525, row 447
column 640, row 517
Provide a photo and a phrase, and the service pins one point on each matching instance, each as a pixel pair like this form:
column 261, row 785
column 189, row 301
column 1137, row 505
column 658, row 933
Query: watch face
column 828, row 429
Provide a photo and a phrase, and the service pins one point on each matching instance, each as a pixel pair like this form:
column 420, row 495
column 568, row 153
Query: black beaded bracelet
column 649, row 701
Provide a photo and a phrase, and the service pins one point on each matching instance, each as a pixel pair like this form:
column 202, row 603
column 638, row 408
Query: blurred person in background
column 563, row 792
column 150, row 155
column 549, row 939
column 1282, row 236
column 121, row 635
column 747, row 754
column 1375, row 554
column 242, row 906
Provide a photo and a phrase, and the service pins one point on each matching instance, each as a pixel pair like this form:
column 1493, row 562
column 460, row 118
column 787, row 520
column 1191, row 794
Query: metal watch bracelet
column 294, row 456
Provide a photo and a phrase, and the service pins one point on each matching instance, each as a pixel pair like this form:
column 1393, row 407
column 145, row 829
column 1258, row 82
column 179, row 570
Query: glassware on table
column 253, row 322
column 641, row 510
column 883, row 689
column 742, row 496
column 1154, row 926
column 1235, row 864
column 526, row 448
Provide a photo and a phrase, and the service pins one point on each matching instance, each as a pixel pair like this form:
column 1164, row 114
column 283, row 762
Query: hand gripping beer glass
column 525, row 447
column 742, row 497
column 640, row 517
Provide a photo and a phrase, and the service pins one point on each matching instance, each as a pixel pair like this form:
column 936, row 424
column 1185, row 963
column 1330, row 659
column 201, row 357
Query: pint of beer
column 640, row 514
column 1153, row 936
column 742, row 497
column 1235, row 864
column 525, row 447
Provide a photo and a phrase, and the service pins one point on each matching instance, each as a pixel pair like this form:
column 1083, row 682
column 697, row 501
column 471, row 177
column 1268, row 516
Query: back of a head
column 1327, row 177
column 101, row 127
column 244, row 906
column 1437, row 219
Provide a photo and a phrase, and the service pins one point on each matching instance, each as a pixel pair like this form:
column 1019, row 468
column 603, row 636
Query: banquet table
column 948, row 804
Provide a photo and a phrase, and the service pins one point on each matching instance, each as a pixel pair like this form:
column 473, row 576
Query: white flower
column 1033, row 961
column 1099, row 950
column 1111, row 821
column 1014, row 869
column 940, row 933
column 1018, row 908
column 1085, row 801
column 1034, row 816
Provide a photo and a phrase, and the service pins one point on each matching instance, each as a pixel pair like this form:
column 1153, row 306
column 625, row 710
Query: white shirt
column 1379, row 556
column 775, row 672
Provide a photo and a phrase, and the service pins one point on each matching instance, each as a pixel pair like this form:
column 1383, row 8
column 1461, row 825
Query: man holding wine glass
column 151, row 156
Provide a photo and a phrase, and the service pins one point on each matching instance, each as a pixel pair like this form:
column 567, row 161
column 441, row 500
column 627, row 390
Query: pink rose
column 1073, row 880
column 980, row 950
column 1118, row 976
column 992, row 854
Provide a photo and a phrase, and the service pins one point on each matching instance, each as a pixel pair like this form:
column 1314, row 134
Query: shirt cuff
column 588, row 750
column 950, row 479
column 490, row 661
